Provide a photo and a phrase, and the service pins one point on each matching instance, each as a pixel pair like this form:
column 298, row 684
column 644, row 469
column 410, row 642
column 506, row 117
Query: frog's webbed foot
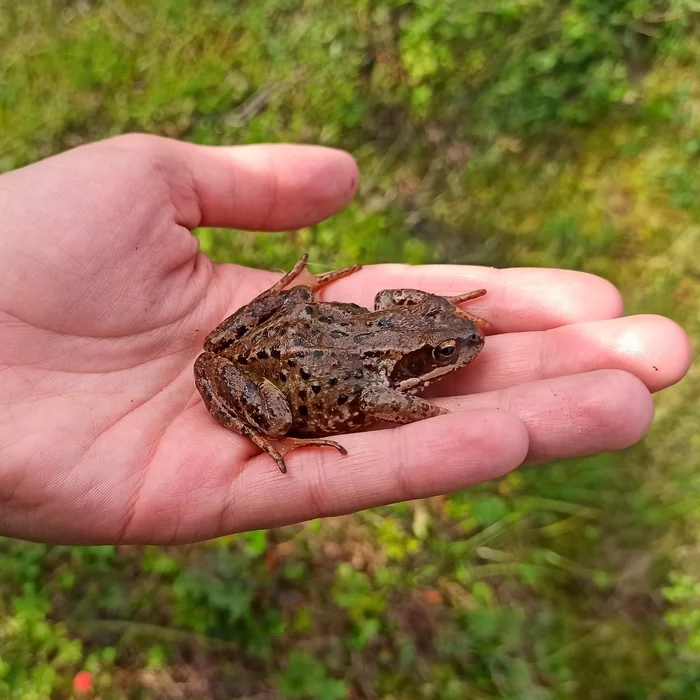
column 392, row 406
column 312, row 442
column 389, row 298
column 468, row 296
column 298, row 268
column 317, row 281
column 321, row 281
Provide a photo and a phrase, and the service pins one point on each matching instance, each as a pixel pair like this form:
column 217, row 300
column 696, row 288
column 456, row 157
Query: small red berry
column 82, row 682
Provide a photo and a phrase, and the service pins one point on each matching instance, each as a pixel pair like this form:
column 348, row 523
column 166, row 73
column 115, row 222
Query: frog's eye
column 445, row 351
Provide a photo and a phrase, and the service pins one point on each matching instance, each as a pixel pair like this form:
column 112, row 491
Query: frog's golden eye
column 445, row 351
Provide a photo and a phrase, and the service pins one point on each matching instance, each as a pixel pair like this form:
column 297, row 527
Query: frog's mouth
column 415, row 383
column 419, row 367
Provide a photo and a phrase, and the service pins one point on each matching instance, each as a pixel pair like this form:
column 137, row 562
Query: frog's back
column 309, row 353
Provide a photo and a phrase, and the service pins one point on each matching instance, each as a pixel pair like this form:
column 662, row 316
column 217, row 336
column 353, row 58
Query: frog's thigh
column 386, row 404
column 388, row 298
column 256, row 402
column 225, row 415
column 248, row 317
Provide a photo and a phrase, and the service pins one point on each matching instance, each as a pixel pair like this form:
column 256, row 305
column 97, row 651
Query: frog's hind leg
column 259, row 310
column 228, row 419
column 388, row 298
column 321, row 281
column 468, row 296
column 258, row 411
column 291, row 275
column 312, row 442
column 252, row 315
column 318, row 281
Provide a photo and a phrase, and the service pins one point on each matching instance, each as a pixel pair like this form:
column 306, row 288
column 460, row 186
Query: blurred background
column 496, row 132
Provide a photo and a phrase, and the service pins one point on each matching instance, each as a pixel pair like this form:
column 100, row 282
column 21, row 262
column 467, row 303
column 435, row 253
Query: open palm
column 105, row 301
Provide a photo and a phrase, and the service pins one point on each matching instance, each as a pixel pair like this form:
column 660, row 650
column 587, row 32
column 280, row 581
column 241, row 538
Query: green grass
column 501, row 133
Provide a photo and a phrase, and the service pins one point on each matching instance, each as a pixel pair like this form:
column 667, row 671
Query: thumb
column 259, row 187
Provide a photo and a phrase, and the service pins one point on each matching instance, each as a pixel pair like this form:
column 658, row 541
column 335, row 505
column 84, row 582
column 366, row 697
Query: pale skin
column 105, row 302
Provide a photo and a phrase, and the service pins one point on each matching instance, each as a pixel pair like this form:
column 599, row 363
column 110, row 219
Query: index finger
column 516, row 300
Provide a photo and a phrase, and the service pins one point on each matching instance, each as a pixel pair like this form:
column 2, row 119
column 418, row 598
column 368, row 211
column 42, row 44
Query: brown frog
column 290, row 369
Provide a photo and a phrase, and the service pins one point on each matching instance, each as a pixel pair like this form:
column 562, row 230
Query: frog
column 288, row 369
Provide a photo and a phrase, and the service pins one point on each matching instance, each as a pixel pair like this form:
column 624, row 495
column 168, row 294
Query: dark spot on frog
column 241, row 331
column 302, row 394
column 305, row 374
column 342, row 399
column 303, row 410
column 384, row 323
column 332, row 381
column 307, row 325
column 318, row 354
column 339, row 334
column 283, row 377
column 242, row 359
column 309, row 310
column 262, row 354
column 325, row 319
column 359, row 374
column 260, row 419
column 300, row 353
column 315, row 388
column 292, row 363
column 275, row 353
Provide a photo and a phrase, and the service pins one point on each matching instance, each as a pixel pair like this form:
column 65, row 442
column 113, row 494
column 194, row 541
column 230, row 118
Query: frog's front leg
column 389, row 298
column 254, row 408
column 382, row 403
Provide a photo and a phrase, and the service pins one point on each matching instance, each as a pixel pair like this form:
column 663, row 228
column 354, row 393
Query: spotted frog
column 289, row 369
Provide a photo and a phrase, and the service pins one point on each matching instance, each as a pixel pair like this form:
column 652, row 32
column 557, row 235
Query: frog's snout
column 476, row 338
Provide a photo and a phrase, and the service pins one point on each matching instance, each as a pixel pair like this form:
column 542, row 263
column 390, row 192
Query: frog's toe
column 314, row 442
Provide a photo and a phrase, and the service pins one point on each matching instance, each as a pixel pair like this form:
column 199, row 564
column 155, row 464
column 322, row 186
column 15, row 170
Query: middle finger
column 653, row 348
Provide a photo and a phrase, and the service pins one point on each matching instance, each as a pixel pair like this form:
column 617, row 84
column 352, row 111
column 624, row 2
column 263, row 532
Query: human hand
column 105, row 302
